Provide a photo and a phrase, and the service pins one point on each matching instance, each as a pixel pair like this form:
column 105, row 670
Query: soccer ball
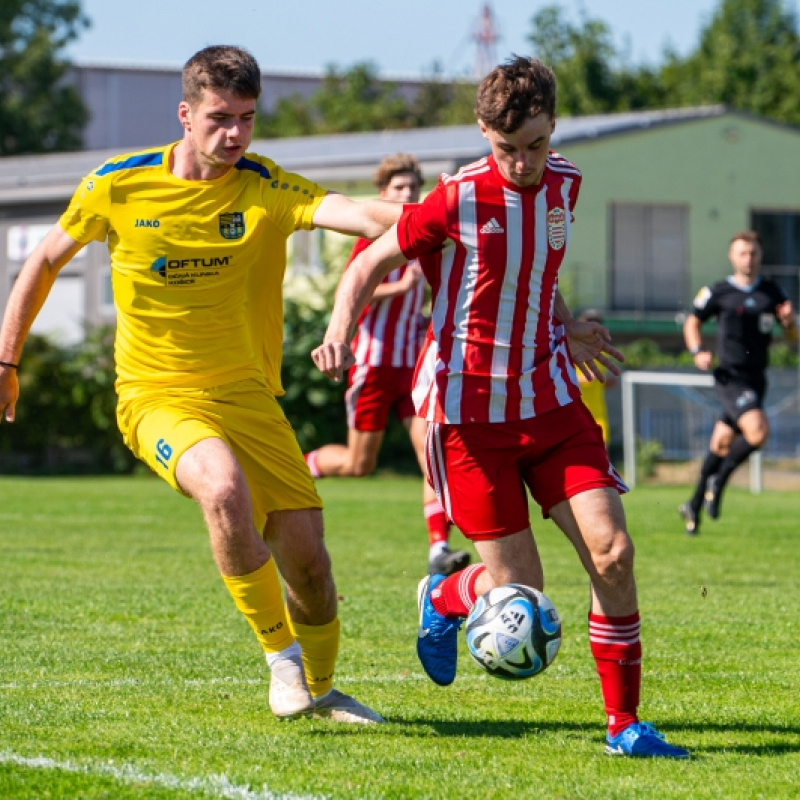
column 513, row 632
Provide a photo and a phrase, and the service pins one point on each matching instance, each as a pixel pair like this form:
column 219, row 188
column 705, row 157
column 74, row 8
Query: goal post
column 634, row 378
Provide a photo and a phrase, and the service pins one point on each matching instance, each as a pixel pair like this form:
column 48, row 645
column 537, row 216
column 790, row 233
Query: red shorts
column 373, row 392
column 480, row 470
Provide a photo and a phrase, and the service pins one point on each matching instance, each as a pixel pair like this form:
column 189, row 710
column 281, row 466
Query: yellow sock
column 320, row 645
column 259, row 597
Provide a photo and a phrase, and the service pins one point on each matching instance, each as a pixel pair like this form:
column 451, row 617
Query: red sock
column 617, row 651
column 311, row 460
column 436, row 520
column 455, row 595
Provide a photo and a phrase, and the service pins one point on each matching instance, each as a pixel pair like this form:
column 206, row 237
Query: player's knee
column 312, row 567
column 757, row 435
column 225, row 501
column 614, row 563
column 221, row 495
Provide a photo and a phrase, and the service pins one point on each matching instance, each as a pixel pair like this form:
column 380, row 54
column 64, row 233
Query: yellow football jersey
column 594, row 396
column 182, row 253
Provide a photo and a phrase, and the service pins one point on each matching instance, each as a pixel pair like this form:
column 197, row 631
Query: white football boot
column 340, row 707
column 289, row 697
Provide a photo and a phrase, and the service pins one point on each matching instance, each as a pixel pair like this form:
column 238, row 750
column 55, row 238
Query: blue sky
column 399, row 36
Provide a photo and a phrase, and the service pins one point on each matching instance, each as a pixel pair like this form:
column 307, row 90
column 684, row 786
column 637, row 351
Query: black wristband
column 9, row 364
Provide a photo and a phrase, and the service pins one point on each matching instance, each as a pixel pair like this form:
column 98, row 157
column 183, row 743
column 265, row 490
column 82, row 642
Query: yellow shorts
column 159, row 425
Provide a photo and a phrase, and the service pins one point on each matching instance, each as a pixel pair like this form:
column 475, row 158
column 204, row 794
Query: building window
column 780, row 235
column 305, row 253
column 22, row 239
column 649, row 257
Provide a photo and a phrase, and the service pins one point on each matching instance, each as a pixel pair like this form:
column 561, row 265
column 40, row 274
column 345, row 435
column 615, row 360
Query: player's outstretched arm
column 369, row 218
column 27, row 297
column 353, row 294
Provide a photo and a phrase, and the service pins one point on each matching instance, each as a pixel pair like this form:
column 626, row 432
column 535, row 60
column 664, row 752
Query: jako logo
column 146, row 223
column 273, row 629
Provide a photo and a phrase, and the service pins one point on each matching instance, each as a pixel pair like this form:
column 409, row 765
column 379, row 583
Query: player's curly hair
column 513, row 92
column 395, row 165
column 221, row 68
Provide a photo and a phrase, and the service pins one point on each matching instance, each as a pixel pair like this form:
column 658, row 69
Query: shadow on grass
column 517, row 728
column 476, row 729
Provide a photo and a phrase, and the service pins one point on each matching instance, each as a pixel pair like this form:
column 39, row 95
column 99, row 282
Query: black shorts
column 738, row 392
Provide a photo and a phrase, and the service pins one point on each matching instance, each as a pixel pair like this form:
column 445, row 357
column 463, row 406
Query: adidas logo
column 492, row 226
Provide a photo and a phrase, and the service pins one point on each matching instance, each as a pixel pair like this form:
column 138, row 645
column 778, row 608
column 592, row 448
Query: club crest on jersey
column 556, row 228
column 231, row 226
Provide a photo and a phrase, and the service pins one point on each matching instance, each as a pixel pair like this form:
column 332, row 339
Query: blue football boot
column 642, row 740
column 437, row 637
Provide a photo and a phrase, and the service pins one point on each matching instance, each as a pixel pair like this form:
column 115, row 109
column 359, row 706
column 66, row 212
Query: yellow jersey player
column 186, row 226
column 593, row 393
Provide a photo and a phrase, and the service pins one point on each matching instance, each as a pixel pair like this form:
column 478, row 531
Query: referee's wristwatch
column 695, row 350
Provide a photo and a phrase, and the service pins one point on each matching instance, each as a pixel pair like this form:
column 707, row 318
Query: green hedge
column 65, row 419
column 65, row 415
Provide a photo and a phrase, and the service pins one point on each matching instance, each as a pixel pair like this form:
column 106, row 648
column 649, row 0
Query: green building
column 663, row 193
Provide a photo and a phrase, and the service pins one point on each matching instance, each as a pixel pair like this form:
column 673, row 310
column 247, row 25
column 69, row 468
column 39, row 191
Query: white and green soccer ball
column 513, row 632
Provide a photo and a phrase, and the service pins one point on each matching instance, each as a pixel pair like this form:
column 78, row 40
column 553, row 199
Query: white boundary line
column 44, row 684
column 215, row 785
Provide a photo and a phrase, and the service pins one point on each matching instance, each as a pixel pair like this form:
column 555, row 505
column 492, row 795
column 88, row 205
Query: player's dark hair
column 221, row 68
column 515, row 91
column 751, row 237
column 397, row 164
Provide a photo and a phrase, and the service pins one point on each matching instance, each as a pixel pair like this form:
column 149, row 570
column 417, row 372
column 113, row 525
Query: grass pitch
column 128, row 673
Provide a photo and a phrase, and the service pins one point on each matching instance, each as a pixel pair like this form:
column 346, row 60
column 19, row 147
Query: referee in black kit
column 747, row 307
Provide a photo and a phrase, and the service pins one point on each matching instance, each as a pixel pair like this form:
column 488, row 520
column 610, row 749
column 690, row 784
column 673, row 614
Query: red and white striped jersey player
column 386, row 345
column 496, row 384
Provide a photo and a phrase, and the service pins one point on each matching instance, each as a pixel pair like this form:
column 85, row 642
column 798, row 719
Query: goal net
column 678, row 411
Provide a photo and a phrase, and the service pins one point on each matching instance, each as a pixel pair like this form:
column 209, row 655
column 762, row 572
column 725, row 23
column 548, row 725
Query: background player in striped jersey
column 385, row 346
column 496, row 384
column 197, row 354
column 747, row 307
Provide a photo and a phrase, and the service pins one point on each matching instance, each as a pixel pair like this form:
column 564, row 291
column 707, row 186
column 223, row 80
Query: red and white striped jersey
column 491, row 252
column 389, row 331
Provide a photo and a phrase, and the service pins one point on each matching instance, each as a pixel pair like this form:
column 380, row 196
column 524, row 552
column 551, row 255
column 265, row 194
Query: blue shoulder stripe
column 141, row 160
column 254, row 166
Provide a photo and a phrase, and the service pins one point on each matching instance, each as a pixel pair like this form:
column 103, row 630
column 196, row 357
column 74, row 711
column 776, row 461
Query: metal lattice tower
column 485, row 38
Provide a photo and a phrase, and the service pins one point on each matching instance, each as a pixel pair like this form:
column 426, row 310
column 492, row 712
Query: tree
column 441, row 102
column 38, row 113
column 593, row 78
column 748, row 58
column 348, row 101
column 581, row 58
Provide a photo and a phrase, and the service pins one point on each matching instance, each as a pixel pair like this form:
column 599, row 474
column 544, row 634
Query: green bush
column 66, row 412
column 647, row 354
column 314, row 404
column 65, row 420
